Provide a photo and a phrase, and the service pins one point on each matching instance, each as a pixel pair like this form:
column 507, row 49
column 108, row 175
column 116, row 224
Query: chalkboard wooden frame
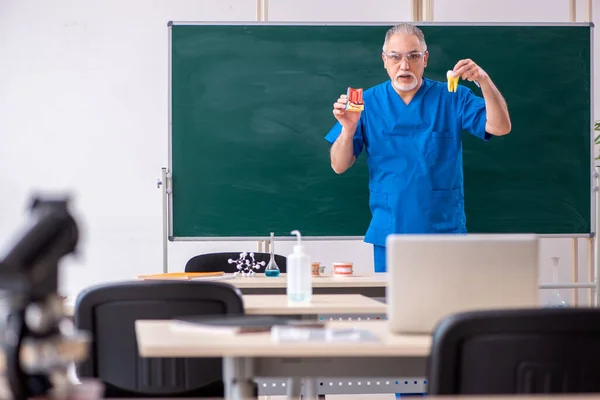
column 168, row 206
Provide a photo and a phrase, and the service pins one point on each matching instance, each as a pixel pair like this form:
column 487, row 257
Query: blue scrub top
column 414, row 156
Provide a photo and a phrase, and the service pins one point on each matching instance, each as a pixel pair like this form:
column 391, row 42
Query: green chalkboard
column 251, row 104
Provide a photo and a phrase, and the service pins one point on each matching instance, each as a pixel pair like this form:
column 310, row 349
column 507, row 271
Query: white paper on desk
column 327, row 335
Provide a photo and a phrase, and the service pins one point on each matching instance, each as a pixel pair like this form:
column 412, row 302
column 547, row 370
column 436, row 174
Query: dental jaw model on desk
column 343, row 269
column 38, row 339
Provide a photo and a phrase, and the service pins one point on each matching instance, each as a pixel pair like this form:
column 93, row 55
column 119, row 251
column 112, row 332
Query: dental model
column 452, row 81
column 355, row 100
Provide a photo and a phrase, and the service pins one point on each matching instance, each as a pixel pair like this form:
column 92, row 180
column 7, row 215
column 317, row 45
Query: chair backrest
column 109, row 312
column 216, row 262
column 516, row 352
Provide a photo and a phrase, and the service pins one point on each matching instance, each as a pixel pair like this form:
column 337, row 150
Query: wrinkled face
column 404, row 59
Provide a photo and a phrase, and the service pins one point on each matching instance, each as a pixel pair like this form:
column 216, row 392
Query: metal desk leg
column 294, row 387
column 238, row 376
column 310, row 388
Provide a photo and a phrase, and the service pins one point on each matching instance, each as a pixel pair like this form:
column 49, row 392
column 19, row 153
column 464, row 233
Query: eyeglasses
column 411, row 57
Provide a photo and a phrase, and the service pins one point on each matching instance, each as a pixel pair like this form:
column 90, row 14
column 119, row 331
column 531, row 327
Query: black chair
column 217, row 262
column 554, row 350
column 109, row 312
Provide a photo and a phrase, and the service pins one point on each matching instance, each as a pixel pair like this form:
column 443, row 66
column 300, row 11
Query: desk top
column 156, row 339
column 323, row 281
column 276, row 304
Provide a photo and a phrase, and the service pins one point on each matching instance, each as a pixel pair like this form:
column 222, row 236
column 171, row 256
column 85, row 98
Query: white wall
column 83, row 106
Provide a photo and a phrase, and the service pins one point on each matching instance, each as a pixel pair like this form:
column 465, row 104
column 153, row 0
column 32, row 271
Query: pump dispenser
column 299, row 274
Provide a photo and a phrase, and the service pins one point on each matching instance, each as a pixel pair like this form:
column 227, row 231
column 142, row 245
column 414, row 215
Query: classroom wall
column 83, row 100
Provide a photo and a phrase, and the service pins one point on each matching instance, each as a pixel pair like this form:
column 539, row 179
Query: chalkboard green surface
column 251, row 104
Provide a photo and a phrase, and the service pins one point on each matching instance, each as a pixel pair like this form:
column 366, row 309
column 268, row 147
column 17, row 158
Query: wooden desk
column 368, row 285
column 156, row 339
column 276, row 304
column 371, row 285
column 250, row 355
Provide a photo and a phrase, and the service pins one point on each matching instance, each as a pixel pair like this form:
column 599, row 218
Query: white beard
column 405, row 87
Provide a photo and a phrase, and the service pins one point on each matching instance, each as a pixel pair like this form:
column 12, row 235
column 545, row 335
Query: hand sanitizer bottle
column 299, row 274
column 272, row 268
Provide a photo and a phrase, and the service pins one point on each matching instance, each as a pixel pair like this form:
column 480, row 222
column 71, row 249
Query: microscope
column 38, row 340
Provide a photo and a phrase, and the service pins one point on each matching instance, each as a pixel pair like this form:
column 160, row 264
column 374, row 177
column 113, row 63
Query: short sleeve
column 473, row 114
column 358, row 140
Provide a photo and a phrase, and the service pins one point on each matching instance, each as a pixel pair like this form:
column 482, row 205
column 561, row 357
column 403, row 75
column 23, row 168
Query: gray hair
column 405, row 29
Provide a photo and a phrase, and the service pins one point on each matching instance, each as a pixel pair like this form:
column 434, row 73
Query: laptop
column 431, row 276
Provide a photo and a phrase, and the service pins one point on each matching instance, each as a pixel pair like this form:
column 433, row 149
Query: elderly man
column 410, row 129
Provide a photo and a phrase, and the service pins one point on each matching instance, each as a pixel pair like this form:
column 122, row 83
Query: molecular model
column 246, row 264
